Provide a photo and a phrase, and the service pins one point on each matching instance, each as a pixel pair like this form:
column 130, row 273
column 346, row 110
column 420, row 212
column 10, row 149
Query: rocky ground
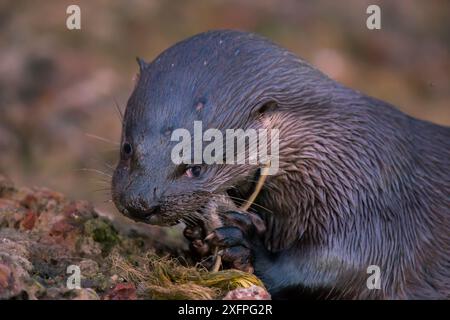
column 42, row 233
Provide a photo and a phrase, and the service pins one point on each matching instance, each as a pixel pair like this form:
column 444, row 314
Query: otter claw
column 200, row 248
column 227, row 237
column 193, row 233
column 248, row 222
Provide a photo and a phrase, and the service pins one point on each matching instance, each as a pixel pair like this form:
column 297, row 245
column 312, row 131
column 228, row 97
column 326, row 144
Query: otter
column 360, row 184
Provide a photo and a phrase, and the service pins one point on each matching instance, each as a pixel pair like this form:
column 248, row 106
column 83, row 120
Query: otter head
column 223, row 79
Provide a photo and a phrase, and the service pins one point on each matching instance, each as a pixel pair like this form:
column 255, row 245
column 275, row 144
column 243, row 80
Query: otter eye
column 193, row 172
column 127, row 150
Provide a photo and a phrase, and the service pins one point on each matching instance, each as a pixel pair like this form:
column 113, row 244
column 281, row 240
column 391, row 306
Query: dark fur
column 360, row 183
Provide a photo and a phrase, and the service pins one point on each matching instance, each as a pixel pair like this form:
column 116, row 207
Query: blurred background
column 59, row 88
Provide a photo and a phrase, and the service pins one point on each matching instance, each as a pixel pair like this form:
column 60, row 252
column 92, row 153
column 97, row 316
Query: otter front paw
column 198, row 247
column 237, row 239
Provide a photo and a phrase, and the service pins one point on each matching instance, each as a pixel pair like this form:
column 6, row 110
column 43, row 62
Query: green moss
column 103, row 233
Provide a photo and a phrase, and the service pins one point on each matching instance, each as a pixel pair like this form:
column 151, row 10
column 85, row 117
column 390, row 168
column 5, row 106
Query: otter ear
column 142, row 64
column 265, row 107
